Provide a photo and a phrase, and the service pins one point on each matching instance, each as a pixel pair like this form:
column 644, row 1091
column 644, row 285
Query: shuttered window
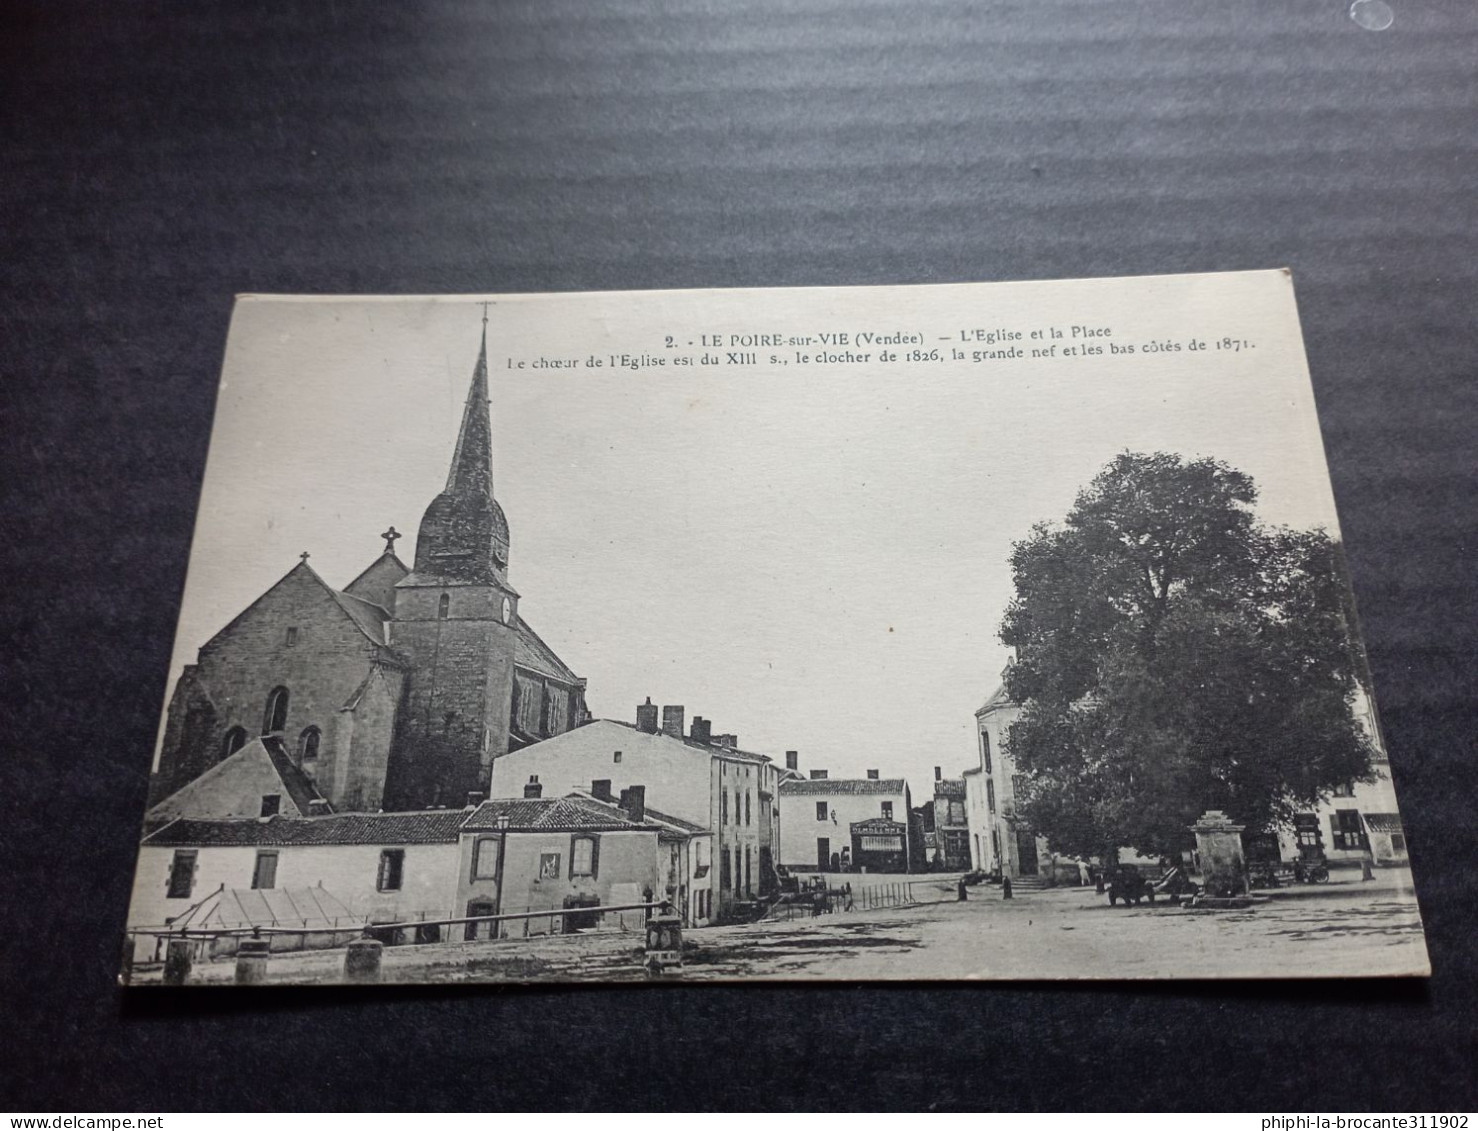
column 264, row 875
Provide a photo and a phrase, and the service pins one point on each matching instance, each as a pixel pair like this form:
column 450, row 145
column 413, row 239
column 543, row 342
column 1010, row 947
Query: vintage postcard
column 982, row 631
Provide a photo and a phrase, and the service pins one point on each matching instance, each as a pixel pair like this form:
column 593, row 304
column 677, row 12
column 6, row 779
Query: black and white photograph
column 980, row 631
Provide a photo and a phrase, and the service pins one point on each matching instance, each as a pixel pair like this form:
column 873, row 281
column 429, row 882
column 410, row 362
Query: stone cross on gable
column 390, row 536
column 303, row 557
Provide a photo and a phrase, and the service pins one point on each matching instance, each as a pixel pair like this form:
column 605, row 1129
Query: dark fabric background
column 156, row 159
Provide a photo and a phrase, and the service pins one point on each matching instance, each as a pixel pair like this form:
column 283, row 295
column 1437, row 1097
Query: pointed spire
column 472, row 462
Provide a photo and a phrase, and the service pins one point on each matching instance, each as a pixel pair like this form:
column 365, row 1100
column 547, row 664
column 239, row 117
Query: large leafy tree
column 1176, row 656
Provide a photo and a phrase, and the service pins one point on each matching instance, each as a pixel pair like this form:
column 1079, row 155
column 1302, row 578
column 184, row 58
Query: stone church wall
column 321, row 669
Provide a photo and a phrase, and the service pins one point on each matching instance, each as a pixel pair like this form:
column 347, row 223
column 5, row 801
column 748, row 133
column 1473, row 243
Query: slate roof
column 369, row 616
column 299, row 785
column 575, row 813
column 429, row 826
column 676, row 822
column 731, row 752
column 842, row 785
column 531, row 652
column 1382, row 822
column 997, row 699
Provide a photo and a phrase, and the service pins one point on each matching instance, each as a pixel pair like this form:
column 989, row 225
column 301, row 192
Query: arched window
column 443, row 606
column 308, row 744
column 275, row 717
column 235, row 739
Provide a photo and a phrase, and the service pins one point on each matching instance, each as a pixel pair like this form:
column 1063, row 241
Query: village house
column 999, row 840
column 338, row 872
column 697, row 778
column 384, row 867
column 951, row 830
column 576, row 853
column 1359, row 820
column 830, row 824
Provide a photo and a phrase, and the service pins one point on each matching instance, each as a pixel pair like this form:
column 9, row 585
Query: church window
column 821, row 810
column 308, row 744
column 275, row 717
column 271, row 804
column 985, row 750
column 887, row 810
column 485, row 859
column 443, row 606
column 392, row 869
column 292, row 637
column 582, row 856
column 235, row 739
column 264, row 874
column 181, row 874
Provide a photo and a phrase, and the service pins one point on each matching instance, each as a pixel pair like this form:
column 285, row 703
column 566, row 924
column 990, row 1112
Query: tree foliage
column 1176, row 656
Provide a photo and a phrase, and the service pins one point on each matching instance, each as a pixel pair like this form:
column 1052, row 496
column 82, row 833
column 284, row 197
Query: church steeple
column 472, row 462
column 464, row 533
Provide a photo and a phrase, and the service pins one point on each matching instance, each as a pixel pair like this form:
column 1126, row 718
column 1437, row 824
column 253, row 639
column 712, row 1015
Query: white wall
column 799, row 828
column 348, row 872
column 676, row 776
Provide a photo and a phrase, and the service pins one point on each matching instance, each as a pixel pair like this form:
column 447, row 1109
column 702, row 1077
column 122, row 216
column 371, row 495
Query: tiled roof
column 575, row 813
column 430, row 826
column 531, row 652
column 299, row 785
column 950, row 787
column 842, row 785
column 1382, row 822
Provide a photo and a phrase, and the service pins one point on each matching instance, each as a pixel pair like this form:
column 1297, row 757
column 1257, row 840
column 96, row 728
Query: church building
column 398, row 690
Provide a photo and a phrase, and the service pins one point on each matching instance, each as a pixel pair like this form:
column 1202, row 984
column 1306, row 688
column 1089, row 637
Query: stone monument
column 1219, row 844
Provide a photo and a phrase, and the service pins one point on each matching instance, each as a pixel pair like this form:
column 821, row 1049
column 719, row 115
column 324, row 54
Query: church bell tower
column 456, row 620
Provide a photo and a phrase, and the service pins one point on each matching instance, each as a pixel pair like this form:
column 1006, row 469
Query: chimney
column 475, row 797
column 634, row 801
column 318, row 807
column 937, row 775
column 818, row 775
column 533, row 789
column 672, row 721
column 730, row 741
column 646, row 716
column 792, row 759
column 702, row 730
column 872, row 775
column 600, row 789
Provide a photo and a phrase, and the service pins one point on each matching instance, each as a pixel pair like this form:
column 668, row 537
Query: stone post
column 1005, row 887
column 362, row 960
column 251, row 961
column 179, row 956
column 1223, row 866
